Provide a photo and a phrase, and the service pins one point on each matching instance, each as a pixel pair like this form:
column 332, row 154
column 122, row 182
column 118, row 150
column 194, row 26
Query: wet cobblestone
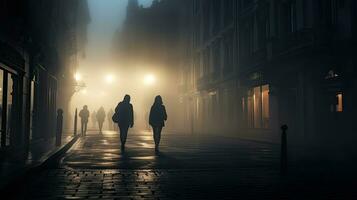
column 206, row 168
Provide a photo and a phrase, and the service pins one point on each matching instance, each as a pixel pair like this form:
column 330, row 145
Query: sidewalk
column 15, row 166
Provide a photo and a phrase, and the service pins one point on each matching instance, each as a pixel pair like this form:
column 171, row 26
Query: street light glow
column 84, row 92
column 109, row 78
column 149, row 79
column 78, row 76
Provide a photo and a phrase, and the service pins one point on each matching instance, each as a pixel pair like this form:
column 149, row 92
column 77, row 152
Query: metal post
column 284, row 150
column 59, row 127
column 75, row 122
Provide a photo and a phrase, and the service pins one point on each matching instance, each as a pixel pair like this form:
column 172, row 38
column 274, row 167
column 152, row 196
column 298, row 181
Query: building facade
column 262, row 63
column 40, row 44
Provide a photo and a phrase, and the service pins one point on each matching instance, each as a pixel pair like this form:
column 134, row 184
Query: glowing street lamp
column 77, row 76
column 109, row 78
column 149, row 79
column 84, row 92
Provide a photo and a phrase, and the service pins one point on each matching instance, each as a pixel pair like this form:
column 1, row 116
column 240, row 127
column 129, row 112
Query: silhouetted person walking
column 110, row 122
column 100, row 118
column 84, row 115
column 157, row 119
column 124, row 116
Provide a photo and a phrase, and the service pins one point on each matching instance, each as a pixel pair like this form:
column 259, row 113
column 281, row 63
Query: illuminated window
column 339, row 105
column 265, row 106
column 257, row 107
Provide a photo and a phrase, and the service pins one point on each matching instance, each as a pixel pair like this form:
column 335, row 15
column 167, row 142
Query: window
column 216, row 8
column 228, row 54
column 228, row 11
column 6, row 107
column 246, row 39
column 288, row 18
column 10, row 108
column 339, row 105
column 292, row 17
column 258, row 107
column 265, row 106
column 2, row 138
column 216, row 58
column 32, row 108
column 257, row 101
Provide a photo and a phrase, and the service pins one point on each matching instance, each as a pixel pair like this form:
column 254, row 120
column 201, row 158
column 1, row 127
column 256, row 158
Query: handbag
column 115, row 117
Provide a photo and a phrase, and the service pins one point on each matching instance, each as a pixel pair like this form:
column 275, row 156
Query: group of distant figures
column 124, row 117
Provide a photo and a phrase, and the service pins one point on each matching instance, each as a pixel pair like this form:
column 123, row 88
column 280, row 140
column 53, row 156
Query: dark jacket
column 100, row 115
column 84, row 115
column 158, row 115
column 125, row 114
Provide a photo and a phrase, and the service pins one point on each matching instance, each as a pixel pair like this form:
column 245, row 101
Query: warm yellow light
column 149, row 79
column 339, row 106
column 103, row 94
column 78, row 76
column 84, row 92
column 109, row 78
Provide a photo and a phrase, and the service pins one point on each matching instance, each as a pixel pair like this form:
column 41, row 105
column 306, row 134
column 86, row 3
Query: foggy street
column 96, row 168
column 178, row 99
column 188, row 167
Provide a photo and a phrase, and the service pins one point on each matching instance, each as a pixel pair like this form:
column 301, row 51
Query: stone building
column 262, row 63
column 40, row 44
column 208, row 80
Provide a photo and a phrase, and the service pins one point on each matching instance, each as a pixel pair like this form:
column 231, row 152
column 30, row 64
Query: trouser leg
column 100, row 126
column 157, row 135
column 85, row 128
column 82, row 128
column 123, row 134
column 154, row 134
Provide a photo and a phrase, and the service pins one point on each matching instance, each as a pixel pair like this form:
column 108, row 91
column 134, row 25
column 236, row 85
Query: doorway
column 7, row 111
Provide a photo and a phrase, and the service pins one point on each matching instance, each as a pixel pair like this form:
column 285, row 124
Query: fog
column 104, row 79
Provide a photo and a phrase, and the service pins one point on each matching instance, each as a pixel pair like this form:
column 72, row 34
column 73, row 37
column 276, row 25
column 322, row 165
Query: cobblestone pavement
column 187, row 168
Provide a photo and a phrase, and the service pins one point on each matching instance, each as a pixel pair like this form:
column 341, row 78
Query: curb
column 30, row 171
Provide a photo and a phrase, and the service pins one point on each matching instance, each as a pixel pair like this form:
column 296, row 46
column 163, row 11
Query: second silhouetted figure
column 100, row 118
column 124, row 116
column 84, row 115
column 157, row 119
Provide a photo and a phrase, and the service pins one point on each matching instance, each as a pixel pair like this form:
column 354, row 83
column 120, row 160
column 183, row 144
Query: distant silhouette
column 94, row 119
column 124, row 116
column 157, row 119
column 84, row 115
column 100, row 118
column 110, row 121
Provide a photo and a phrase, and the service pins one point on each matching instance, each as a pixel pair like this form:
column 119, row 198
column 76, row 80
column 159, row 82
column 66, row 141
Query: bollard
column 75, row 122
column 284, row 150
column 59, row 127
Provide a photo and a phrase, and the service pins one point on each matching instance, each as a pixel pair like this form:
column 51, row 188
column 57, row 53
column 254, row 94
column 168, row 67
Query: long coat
column 158, row 115
column 84, row 115
column 100, row 115
column 125, row 114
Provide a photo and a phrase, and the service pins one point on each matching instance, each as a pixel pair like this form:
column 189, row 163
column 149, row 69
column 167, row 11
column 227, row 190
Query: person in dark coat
column 100, row 118
column 110, row 121
column 125, row 118
column 84, row 115
column 157, row 119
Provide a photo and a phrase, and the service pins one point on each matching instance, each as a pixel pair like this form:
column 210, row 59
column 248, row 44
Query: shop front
column 9, row 106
